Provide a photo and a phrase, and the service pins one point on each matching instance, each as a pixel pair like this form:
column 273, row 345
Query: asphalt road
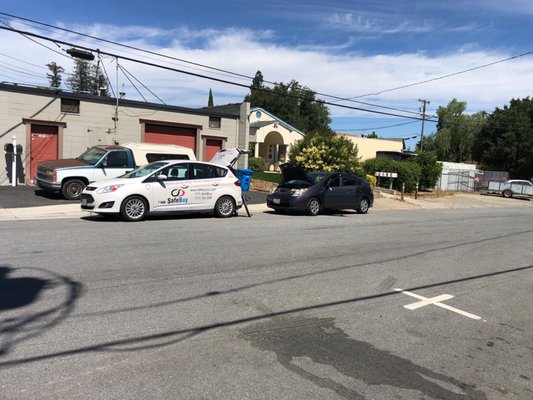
column 33, row 196
column 269, row 307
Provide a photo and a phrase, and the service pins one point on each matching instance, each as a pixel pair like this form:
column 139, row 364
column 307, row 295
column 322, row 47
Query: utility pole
column 423, row 111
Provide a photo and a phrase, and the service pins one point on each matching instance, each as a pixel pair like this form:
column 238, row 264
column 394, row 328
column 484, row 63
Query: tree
column 292, row 103
column 505, row 142
column 430, row 169
column 325, row 152
column 456, row 133
column 55, row 77
column 87, row 77
column 210, row 102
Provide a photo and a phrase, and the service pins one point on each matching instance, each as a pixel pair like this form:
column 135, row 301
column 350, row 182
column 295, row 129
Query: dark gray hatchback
column 312, row 192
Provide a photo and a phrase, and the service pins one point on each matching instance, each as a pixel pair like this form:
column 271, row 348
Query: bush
column 325, row 152
column 372, row 180
column 257, row 164
column 431, row 170
column 408, row 171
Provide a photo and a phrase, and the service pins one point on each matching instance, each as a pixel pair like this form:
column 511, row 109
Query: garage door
column 165, row 134
column 43, row 145
column 211, row 148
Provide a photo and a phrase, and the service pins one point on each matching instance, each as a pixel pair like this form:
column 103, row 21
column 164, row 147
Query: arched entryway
column 273, row 150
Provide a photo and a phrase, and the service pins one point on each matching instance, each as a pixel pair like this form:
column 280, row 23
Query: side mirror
column 162, row 177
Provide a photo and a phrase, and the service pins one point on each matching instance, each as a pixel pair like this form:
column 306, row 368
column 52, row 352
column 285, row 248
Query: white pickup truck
column 71, row 176
column 515, row 187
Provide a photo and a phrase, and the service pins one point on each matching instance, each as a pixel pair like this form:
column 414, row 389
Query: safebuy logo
column 177, row 197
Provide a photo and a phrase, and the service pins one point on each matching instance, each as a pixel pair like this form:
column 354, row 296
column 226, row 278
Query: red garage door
column 165, row 134
column 43, row 145
column 211, row 148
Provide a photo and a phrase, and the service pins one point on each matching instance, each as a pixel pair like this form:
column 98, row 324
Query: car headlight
column 297, row 192
column 273, row 190
column 108, row 189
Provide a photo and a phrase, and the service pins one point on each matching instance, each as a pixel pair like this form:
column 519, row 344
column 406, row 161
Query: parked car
column 70, row 176
column 169, row 186
column 312, row 192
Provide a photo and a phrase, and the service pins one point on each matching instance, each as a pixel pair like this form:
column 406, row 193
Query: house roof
column 276, row 119
column 54, row 92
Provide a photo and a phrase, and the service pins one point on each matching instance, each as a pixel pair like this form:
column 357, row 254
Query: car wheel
column 225, row 207
column 313, row 207
column 363, row 206
column 508, row 194
column 72, row 189
column 133, row 209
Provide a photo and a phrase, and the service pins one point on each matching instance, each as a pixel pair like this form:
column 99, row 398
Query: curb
column 74, row 211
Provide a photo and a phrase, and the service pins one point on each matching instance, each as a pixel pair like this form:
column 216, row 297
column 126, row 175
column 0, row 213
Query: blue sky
column 376, row 51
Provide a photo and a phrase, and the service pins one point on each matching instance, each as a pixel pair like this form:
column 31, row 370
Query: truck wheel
column 133, row 209
column 507, row 194
column 224, row 207
column 72, row 189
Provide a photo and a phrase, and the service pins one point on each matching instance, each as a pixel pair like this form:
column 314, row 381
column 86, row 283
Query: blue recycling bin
column 245, row 176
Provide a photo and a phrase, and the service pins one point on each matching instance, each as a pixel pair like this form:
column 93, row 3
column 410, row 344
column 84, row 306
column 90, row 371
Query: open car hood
column 292, row 172
column 228, row 157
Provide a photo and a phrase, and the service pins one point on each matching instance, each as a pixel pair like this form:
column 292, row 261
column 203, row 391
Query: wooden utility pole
column 423, row 110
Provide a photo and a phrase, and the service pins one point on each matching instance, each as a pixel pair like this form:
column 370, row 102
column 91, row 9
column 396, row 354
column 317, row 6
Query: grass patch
column 267, row 176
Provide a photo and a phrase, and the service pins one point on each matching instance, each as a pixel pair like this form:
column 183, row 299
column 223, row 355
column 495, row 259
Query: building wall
column 95, row 125
column 367, row 147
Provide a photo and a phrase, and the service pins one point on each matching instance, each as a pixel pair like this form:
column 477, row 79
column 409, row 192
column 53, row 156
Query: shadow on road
column 32, row 300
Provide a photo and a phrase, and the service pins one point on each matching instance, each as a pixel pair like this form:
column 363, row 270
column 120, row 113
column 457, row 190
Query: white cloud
column 246, row 51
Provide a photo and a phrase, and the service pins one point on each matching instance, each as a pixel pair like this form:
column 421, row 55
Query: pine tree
column 55, row 76
column 210, row 102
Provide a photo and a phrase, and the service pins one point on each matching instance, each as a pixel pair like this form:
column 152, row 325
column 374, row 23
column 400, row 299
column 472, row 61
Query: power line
column 446, row 76
column 377, row 127
column 126, row 72
column 24, row 33
column 337, row 98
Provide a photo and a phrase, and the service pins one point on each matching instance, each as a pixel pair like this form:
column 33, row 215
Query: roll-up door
column 167, row 134
column 211, row 148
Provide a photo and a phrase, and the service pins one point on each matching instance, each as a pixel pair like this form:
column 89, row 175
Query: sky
column 372, row 61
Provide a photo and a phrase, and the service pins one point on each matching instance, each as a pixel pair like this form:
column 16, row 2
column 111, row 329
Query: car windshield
column 316, row 177
column 144, row 170
column 92, row 155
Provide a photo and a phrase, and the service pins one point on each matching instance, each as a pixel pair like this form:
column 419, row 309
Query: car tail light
column 237, row 183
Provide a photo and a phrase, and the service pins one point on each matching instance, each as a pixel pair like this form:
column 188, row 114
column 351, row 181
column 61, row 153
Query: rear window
column 151, row 157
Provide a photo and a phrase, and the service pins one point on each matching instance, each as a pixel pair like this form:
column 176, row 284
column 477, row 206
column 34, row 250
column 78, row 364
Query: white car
column 169, row 186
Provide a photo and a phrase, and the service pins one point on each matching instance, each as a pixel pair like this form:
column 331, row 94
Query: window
column 350, row 181
column 116, row 159
column 214, row 122
column 71, row 106
column 205, row 171
column 177, row 172
column 151, row 157
column 334, row 182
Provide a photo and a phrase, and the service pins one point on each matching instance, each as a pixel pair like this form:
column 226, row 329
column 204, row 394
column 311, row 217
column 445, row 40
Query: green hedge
column 256, row 164
column 408, row 172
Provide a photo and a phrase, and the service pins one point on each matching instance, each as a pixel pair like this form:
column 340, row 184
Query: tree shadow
column 32, row 303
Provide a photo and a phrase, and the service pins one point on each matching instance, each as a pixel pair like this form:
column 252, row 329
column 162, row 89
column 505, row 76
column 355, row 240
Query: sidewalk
column 384, row 202
column 74, row 211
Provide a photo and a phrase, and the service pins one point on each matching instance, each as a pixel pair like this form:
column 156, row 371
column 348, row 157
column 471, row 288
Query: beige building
column 369, row 147
column 51, row 124
column 271, row 138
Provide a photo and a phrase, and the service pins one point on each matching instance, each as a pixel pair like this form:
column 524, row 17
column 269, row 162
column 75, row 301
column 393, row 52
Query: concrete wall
column 95, row 125
column 367, row 147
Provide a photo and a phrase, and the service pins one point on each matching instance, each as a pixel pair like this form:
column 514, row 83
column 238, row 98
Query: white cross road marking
column 424, row 301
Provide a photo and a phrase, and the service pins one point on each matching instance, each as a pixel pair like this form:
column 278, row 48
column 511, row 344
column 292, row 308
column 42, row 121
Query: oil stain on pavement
column 295, row 341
